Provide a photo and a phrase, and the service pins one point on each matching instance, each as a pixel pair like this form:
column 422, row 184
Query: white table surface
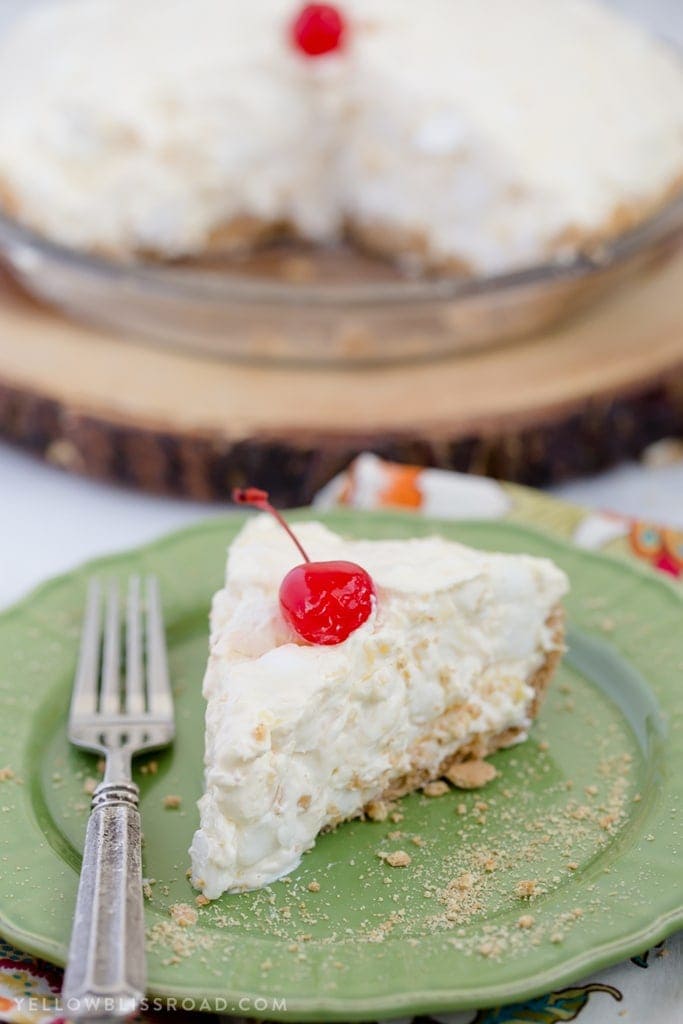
column 50, row 521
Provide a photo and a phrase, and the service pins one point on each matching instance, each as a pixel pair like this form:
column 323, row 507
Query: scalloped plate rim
column 415, row 1001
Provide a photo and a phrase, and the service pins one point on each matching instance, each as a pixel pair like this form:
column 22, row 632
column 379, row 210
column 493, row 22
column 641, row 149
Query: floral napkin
column 648, row 987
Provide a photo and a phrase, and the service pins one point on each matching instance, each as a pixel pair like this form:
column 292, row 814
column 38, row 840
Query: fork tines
column 116, row 680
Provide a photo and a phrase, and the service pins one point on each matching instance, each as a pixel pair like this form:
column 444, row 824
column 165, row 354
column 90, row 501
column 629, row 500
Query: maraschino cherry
column 318, row 29
column 323, row 602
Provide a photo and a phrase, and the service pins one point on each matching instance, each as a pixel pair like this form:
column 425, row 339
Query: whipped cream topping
column 128, row 126
column 300, row 737
column 484, row 132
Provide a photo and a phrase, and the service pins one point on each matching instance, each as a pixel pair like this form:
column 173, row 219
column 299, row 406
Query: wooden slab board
column 594, row 391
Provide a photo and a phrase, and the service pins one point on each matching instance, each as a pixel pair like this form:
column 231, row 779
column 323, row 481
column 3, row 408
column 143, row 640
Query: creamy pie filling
column 301, row 737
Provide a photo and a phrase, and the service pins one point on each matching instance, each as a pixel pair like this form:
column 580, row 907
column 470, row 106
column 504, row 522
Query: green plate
column 569, row 861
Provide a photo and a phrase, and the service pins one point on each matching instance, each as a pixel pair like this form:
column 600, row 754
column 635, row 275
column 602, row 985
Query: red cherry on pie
column 323, row 602
column 318, row 29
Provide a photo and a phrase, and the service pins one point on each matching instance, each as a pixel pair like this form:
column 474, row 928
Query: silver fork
column 119, row 715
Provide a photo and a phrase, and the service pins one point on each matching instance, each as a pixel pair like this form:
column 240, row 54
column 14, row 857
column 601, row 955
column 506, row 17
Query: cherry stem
column 259, row 499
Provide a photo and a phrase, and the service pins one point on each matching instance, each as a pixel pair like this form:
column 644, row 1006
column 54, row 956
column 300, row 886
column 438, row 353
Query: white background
column 50, row 521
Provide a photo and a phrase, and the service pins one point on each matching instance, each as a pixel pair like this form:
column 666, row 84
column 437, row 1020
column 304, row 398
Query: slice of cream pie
column 452, row 657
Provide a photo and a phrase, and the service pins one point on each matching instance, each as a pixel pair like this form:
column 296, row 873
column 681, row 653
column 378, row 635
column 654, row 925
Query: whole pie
column 450, row 663
column 467, row 135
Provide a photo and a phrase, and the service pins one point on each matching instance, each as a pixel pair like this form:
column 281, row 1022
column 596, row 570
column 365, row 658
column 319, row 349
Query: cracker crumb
column 396, row 817
column 471, row 774
column 591, row 790
column 377, row 810
column 543, row 745
column 417, row 840
column 304, row 801
column 397, row 859
column 556, row 938
column 572, row 865
column 183, row 914
column 7, row 774
column 461, row 809
column 151, row 768
column 525, row 921
column 313, row 886
column 438, row 788
column 172, row 802
column 526, row 889
column 90, row 785
column 202, row 900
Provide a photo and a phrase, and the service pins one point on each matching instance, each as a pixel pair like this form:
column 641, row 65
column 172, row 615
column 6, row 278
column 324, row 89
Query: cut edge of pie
column 485, row 744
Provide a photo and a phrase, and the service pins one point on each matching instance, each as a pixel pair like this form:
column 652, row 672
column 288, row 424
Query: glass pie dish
column 294, row 304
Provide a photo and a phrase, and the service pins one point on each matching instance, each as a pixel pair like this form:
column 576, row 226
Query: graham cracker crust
column 246, row 233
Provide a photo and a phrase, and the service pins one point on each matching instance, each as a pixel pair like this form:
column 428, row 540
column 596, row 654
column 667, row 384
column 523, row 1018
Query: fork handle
column 106, row 972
